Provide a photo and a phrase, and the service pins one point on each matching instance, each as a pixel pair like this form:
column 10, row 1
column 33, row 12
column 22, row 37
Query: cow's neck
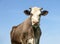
column 29, row 23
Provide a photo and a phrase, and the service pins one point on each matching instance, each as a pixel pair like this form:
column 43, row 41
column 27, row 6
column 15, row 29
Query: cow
column 28, row 32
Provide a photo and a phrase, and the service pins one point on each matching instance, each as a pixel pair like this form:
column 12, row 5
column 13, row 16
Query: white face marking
column 31, row 41
column 35, row 15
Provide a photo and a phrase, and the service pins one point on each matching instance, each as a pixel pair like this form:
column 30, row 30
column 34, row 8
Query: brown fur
column 21, row 33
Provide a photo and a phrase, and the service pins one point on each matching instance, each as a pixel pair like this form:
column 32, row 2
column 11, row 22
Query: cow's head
column 35, row 14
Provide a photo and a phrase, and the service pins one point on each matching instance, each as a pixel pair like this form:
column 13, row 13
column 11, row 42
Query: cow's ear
column 27, row 12
column 44, row 12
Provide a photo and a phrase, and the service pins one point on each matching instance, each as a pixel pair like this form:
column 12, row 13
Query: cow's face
column 35, row 14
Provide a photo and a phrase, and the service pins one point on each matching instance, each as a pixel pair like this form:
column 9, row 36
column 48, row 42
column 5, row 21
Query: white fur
column 36, row 12
column 31, row 41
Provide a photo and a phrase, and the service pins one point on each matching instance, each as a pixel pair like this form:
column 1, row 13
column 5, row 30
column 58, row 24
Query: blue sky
column 11, row 13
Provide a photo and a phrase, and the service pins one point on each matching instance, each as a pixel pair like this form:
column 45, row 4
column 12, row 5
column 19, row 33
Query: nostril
column 33, row 22
column 37, row 22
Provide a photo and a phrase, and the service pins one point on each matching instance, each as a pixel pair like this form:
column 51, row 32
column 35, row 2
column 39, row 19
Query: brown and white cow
column 29, row 31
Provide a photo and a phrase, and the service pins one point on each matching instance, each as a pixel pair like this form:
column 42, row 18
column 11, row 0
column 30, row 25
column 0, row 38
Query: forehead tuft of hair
column 35, row 8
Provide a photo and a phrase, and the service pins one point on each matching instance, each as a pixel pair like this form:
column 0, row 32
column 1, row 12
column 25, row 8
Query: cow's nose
column 35, row 23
